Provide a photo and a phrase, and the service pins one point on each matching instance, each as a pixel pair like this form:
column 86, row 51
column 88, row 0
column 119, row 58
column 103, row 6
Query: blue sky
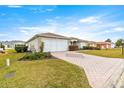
column 86, row 22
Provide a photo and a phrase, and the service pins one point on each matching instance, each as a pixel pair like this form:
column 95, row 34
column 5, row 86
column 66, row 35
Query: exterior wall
column 8, row 46
column 34, row 45
column 104, row 46
column 93, row 45
column 82, row 44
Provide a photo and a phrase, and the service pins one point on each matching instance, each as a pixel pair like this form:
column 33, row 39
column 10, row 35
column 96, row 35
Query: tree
column 108, row 40
column 2, row 46
column 119, row 42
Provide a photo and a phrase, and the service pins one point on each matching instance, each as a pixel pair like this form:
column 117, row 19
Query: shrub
column 36, row 56
column 73, row 47
column 90, row 48
column 21, row 48
column 2, row 46
column 42, row 47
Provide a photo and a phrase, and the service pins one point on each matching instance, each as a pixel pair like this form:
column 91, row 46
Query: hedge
column 21, row 48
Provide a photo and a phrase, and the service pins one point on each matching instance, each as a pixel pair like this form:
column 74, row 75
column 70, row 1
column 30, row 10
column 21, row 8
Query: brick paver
column 100, row 71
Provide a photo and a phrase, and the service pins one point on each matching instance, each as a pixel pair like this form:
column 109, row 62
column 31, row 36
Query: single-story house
column 103, row 45
column 92, row 44
column 79, row 42
column 52, row 42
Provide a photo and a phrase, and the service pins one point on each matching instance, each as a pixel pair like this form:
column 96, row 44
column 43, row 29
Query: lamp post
column 122, row 47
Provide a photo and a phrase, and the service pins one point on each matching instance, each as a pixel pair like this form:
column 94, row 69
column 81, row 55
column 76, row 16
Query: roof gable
column 48, row 35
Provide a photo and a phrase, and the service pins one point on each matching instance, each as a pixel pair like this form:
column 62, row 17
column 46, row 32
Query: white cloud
column 90, row 19
column 74, row 28
column 14, row 6
column 50, row 9
column 25, row 32
column 42, row 9
column 119, row 29
column 29, row 28
column 57, row 17
column 1, row 35
column 30, row 31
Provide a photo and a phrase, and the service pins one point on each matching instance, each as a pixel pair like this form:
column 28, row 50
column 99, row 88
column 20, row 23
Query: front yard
column 40, row 73
column 112, row 53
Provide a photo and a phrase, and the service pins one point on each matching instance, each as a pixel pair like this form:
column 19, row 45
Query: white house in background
column 52, row 42
column 79, row 42
column 92, row 44
column 11, row 44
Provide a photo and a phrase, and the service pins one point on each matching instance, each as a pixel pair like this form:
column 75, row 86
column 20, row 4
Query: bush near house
column 36, row 56
column 42, row 47
column 2, row 46
column 73, row 47
column 21, row 48
column 90, row 48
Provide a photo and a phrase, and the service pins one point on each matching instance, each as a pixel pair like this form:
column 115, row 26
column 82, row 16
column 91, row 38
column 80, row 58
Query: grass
column 10, row 51
column 111, row 53
column 12, row 55
column 47, row 73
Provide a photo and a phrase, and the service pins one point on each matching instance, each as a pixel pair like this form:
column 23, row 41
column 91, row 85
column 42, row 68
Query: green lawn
column 112, row 53
column 12, row 56
column 42, row 74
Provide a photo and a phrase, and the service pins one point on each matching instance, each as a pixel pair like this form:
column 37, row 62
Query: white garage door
column 52, row 45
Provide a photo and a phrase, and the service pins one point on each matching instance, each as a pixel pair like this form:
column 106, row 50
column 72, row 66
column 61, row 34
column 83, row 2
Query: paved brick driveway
column 100, row 71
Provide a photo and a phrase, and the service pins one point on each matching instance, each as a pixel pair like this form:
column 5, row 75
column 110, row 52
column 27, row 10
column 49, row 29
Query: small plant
column 36, row 56
column 73, row 47
column 42, row 47
column 90, row 48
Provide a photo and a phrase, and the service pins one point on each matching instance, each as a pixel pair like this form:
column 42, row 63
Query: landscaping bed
column 36, row 56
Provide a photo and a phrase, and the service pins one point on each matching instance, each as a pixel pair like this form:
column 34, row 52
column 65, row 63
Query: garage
column 53, row 45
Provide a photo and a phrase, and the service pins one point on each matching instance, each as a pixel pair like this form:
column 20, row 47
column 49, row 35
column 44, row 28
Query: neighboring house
column 103, row 45
column 79, row 42
column 92, row 44
column 11, row 44
column 52, row 42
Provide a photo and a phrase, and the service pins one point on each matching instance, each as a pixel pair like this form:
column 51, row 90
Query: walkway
column 100, row 71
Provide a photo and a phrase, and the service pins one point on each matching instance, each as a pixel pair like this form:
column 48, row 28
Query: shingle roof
column 103, row 42
column 48, row 35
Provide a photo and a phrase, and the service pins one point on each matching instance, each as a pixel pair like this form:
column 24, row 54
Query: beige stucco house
column 52, row 42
